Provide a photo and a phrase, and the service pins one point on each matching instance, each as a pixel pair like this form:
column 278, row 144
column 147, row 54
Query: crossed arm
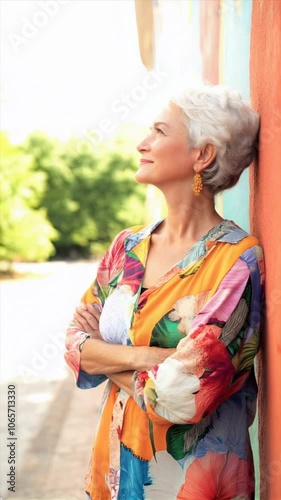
column 117, row 362
column 208, row 366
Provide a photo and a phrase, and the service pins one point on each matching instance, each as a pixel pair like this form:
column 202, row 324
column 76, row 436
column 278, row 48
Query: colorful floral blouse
column 184, row 434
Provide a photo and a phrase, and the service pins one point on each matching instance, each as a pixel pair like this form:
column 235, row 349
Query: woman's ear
column 206, row 156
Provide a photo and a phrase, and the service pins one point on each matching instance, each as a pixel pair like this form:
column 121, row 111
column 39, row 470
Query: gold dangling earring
column 197, row 186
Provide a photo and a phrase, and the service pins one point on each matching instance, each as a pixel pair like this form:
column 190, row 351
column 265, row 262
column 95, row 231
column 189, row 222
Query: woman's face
column 165, row 154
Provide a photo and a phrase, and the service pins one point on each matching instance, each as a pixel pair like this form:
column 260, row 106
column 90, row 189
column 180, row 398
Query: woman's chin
column 141, row 178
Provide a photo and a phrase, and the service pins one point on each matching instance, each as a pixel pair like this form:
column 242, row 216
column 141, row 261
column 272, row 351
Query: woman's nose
column 143, row 145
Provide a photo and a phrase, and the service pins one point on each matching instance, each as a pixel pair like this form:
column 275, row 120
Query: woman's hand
column 87, row 317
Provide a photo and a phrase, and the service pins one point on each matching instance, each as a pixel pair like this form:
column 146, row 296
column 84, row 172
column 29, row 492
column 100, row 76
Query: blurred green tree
column 90, row 194
column 25, row 232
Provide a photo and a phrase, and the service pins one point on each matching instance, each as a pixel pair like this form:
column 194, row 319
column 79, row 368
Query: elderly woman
column 172, row 319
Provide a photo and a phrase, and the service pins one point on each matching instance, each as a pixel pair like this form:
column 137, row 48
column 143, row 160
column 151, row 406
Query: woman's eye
column 159, row 131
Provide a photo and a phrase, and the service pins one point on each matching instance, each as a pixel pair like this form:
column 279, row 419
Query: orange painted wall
column 265, row 78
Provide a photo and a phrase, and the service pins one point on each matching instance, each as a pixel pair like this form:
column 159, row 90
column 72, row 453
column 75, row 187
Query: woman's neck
column 190, row 219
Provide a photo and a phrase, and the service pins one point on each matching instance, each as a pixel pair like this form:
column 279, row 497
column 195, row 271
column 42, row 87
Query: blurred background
column 80, row 83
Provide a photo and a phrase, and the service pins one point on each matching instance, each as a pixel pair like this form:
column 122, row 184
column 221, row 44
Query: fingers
column 87, row 317
column 82, row 323
column 94, row 309
column 89, row 309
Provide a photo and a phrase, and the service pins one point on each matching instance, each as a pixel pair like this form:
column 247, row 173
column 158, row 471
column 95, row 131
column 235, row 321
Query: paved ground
column 57, row 439
column 55, row 421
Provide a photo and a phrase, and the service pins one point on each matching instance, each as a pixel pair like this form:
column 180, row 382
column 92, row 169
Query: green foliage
column 90, row 194
column 25, row 231
column 65, row 199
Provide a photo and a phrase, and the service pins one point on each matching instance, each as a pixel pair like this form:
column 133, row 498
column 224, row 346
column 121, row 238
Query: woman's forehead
column 170, row 116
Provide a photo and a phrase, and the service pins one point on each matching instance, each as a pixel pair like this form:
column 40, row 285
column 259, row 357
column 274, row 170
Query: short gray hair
column 219, row 116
